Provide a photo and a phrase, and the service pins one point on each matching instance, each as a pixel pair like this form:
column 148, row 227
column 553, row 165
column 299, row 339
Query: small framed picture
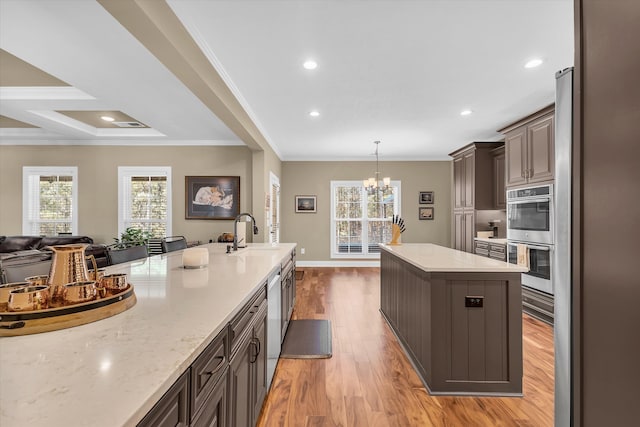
column 425, row 213
column 426, row 198
column 305, row 204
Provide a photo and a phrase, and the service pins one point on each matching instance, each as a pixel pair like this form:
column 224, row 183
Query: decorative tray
column 13, row 323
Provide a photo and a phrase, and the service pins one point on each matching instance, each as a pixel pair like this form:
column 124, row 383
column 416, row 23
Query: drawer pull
column 218, row 366
column 256, row 343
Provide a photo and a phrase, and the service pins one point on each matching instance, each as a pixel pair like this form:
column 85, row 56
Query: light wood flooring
column 370, row 382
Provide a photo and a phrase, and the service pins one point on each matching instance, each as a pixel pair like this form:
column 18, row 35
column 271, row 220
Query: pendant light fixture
column 374, row 183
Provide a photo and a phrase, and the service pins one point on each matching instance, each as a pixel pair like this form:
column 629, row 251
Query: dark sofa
column 21, row 249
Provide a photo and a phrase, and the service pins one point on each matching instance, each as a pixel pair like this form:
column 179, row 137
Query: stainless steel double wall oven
column 530, row 219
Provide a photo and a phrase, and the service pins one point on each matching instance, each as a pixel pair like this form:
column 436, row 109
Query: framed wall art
column 305, row 204
column 425, row 213
column 212, row 197
column 426, row 198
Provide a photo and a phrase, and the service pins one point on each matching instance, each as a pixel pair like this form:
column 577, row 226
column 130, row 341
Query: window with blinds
column 49, row 200
column 144, row 199
column 361, row 220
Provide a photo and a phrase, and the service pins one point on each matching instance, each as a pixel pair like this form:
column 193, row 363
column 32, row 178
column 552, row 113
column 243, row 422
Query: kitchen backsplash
column 484, row 217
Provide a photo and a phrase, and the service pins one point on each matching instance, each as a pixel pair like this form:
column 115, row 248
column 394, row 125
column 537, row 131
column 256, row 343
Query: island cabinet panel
column 172, row 410
column 288, row 280
column 476, row 334
column 248, row 365
column 455, row 348
column 214, row 408
column 207, row 370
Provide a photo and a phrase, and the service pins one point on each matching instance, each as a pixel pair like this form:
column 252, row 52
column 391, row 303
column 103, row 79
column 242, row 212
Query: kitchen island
column 113, row 371
column 458, row 317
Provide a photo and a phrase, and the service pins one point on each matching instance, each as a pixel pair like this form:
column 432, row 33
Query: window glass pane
column 48, row 200
column 146, row 200
column 352, row 222
column 349, row 236
column 378, row 232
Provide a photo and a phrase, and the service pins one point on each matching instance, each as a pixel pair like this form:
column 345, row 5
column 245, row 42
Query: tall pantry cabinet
column 473, row 183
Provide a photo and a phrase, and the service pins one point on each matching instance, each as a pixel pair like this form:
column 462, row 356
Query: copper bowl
column 78, row 292
column 114, row 283
column 37, row 280
column 96, row 275
column 5, row 289
column 29, row 298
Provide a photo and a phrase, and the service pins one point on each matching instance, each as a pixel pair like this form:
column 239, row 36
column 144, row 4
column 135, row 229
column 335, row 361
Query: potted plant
column 132, row 236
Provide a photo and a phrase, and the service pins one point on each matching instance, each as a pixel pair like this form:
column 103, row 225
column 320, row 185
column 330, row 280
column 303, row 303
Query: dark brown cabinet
column 288, row 293
column 247, row 370
column 529, row 149
column 208, row 382
column 455, row 348
column 464, row 229
column 214, row 408
column 499, row 189
column 227, row 384
column 172, row 410
column 474, row 189
column 491, row 250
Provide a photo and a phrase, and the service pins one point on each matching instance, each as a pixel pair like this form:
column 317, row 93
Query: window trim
column 28, row 171
column 124, row 175
column 355, row 183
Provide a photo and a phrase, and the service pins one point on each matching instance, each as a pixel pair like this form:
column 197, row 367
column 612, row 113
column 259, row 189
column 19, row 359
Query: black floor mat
column 307, row 339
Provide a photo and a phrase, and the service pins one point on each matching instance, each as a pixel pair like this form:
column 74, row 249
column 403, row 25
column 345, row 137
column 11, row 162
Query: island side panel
column 456, row 349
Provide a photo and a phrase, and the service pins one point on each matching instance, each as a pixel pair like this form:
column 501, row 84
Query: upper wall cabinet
column 529, row 149
column 474, row 176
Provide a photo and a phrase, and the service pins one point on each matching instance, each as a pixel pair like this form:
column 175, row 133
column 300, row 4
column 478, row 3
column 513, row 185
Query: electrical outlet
column 473, row 301
column 302, row 251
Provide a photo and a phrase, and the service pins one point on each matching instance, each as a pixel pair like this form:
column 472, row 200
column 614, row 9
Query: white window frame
column 31, row 201
column 125, row 173
column 365, row 243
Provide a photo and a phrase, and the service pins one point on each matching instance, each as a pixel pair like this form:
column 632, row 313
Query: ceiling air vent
column 129, row 124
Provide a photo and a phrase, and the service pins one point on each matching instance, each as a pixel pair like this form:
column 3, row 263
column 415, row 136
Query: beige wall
column 98, row 187
column 312, row 231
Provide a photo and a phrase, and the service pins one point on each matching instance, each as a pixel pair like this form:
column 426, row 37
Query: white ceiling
column 395, row 71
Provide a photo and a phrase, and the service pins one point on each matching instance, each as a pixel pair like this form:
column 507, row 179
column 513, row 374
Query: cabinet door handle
column 256, row 343
column 218, row 366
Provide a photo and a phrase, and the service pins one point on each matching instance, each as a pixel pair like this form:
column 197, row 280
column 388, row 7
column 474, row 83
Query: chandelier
column 375, row 183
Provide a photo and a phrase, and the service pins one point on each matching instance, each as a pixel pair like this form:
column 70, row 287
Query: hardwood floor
column 370, row 382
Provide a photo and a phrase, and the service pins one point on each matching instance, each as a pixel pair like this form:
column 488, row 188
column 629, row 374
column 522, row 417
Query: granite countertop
column 111, row 372
column 433, row 258
column 492, row 240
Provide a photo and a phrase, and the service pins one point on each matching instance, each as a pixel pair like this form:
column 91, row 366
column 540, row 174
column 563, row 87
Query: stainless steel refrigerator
column 562, row 255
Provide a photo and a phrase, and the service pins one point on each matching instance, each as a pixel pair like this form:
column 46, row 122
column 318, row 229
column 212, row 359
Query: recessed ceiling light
column 533, row 63
column 310, row 64
column 465, row 112
column 314, row 113
column 107, row 118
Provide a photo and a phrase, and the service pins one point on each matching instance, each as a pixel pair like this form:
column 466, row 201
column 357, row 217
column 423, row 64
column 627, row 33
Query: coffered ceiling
column 230, row 72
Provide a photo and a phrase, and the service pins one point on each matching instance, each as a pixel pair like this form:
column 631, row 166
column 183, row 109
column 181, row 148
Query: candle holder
column 193, row 258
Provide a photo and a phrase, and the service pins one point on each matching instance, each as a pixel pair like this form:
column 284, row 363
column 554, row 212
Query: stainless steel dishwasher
column 274, row 322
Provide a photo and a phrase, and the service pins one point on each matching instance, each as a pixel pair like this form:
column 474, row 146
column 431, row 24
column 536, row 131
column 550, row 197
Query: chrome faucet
column 235, row 228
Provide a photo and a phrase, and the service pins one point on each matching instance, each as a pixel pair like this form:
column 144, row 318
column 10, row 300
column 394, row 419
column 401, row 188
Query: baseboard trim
column 347, row 263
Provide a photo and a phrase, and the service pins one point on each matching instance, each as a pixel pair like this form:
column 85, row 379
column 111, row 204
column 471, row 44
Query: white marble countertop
column 434, row 258
column 492, row 240
column 111, row 372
